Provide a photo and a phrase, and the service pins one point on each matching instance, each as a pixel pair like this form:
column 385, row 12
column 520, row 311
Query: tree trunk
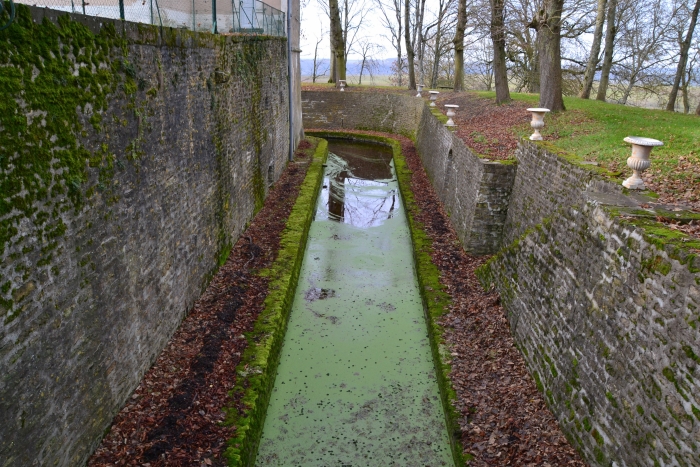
column 362, row 68
column 533, row 81
column 498, row 37
column 594, row 57
column 684, row 90
column 421, row 44
column 410, row 53
column 333, row 78
column 610, row 31
column 337, row 41
column 685, row 46
column 697, row 111
column 548, row 26
column 459, row 45
column 436, row 58
column 314, row 76
column 628, row 91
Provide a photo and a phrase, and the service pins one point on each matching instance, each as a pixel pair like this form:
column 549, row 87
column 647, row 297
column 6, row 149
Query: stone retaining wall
column 140, row 159
column 546, row 182
column 605, row 310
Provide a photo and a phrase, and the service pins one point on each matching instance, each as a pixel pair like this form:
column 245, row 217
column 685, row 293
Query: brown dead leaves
column 174, row 416
column 486, row 128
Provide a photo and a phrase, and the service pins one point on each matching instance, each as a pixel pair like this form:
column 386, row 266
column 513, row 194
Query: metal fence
column 223, row 16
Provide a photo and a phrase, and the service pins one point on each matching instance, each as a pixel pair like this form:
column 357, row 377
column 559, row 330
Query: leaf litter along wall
column 130, row 161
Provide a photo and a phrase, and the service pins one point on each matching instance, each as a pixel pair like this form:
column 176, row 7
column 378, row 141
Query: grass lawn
column 595, row 131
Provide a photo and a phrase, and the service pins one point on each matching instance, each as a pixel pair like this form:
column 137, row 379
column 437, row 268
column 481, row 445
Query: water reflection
column 356, row 187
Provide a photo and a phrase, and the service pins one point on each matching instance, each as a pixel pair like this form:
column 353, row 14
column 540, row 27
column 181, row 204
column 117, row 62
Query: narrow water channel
column 356, row 384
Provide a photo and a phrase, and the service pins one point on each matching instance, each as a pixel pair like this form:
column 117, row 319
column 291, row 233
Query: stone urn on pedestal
column 433, row 97
column 537, row 122
column 341, row 84
column 451, row 112
column 420, row 89
column 639, row 160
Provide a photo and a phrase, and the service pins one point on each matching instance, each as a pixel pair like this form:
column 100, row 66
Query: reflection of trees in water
column 349, row 201
column 336, row 196
column 356, row 194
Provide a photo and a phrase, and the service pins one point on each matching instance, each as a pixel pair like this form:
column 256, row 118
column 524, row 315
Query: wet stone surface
column 356, row 384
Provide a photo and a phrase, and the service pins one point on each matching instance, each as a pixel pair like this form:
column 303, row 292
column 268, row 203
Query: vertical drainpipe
column 214, row 29
column 289, row 80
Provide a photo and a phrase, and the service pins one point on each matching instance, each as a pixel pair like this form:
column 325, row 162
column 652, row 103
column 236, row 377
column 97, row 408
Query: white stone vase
column 342, row 84
column 639, row 160
column 420, row 89
column 451, row 112
column 433, row 97
column 537, row 122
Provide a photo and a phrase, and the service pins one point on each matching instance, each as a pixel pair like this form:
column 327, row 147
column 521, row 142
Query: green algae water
column 356, row 384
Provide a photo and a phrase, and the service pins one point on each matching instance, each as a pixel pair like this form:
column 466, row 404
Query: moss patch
column 58, row 80
column 676, row 244
column 257, row 368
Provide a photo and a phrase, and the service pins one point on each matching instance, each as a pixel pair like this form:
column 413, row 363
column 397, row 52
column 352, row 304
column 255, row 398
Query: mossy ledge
column 258, row 366
column 435, row 301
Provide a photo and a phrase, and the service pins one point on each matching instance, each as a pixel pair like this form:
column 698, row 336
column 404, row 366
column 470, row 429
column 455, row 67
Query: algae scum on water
column 356, row 384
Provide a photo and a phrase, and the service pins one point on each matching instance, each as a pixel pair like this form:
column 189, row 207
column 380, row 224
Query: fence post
column 121, row 9
column 213, row 17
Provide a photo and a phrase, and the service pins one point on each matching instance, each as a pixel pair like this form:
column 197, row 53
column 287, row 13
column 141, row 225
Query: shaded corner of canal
column 356, row 384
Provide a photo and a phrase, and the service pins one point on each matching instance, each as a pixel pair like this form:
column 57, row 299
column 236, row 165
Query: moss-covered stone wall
column 604, row 303
column 131, row 158
column 547, row 180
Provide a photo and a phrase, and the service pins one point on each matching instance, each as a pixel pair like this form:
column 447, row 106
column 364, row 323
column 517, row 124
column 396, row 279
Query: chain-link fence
column 222, row 16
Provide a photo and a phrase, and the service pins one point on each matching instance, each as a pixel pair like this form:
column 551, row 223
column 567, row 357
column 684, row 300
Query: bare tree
column 644, row 41
column 594, row 56
column 434, row 38
column 411, row 34
column 318, row 64
column 547, row 23
column 352, row 15
column 459, row 45
column 610, row 33
column 480, row 58
column 683, row 60
column 521, row 46
column 367, row 49
column 498, row 37
column 688, row 77
column 420, row 43
column 391, row 11
column 337, row 42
